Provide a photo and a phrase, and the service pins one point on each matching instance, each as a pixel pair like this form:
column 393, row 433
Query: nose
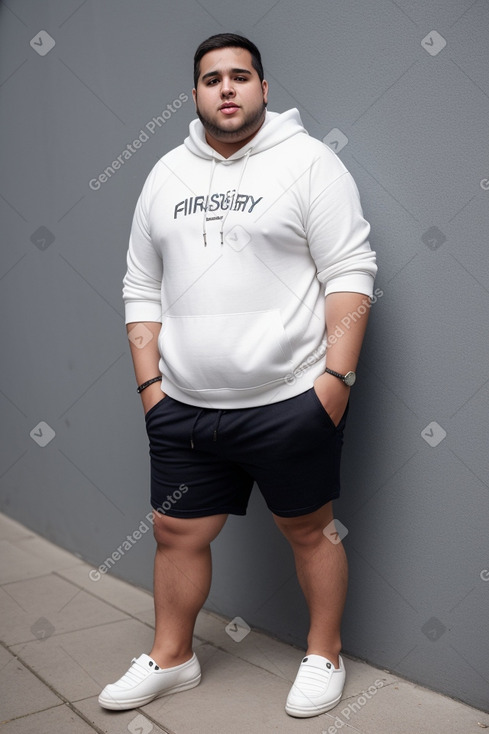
column 227, row 89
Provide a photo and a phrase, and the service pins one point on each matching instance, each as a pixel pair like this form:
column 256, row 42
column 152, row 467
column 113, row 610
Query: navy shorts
column 205, row 461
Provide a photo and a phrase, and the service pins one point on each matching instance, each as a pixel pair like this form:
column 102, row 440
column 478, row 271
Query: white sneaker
column 317, row 688
column 145, row 681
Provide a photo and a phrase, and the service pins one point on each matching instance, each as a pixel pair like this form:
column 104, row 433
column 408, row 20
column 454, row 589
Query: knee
column 306, row 530
column 191, row 534
column 299, row 533
column 165, row 529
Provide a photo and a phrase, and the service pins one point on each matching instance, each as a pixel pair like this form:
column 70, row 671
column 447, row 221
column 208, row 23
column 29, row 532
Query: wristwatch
column 349, row 379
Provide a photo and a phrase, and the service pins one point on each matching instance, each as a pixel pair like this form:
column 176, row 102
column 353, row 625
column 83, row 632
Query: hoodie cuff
column 351, row 283
column 137, row 311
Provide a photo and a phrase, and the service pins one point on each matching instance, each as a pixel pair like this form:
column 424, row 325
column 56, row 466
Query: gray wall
column 416, row 119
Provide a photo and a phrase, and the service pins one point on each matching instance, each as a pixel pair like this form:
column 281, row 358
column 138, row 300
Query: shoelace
column 313, row 679
column 136, row 673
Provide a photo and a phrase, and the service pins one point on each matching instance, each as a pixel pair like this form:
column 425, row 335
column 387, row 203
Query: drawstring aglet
column 191, row 443
column 222, row 238
column 215, row 435
column 205, row 239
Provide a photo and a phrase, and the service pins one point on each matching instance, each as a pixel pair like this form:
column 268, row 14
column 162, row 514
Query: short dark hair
column 227, row 40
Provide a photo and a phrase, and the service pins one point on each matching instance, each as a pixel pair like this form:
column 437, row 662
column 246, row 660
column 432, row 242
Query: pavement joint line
column 161, row 727
column 219, row 648
column 13, row 598
column 39, row 677
column 80, row 588
column 73, row 631
column 32, row 713
column 85, row 718
column 31, row 578
column 105, row 601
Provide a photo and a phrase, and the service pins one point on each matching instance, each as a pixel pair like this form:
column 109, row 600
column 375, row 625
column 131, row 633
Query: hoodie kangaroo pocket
column 218, row 351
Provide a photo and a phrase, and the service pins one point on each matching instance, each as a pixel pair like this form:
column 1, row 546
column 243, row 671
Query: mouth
column 228, row 108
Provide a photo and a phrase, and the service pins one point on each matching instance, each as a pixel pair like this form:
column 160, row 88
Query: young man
column 248, row 258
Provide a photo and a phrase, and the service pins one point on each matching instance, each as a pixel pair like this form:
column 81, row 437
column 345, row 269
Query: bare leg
column 182, row 579
column 322, row 572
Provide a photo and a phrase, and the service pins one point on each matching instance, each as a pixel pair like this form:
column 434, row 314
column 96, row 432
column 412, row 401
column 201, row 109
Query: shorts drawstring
column 218, row 420
column 193, row 427
column 216, row 425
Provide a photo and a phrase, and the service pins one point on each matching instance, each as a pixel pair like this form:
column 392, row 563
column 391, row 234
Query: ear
column 194, row 96
column 264, row 86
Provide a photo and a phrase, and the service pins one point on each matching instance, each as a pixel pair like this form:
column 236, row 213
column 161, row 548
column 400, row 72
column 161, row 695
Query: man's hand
column 151, row 395
column 343, row 352
column 333, row 395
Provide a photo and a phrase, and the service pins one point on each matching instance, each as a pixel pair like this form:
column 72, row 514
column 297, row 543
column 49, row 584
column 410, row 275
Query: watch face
column 350, row 378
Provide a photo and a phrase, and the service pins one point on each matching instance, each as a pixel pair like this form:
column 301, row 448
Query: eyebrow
column 233, row 71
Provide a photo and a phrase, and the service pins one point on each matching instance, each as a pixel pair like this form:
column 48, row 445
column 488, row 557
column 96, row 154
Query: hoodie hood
column 276, row 128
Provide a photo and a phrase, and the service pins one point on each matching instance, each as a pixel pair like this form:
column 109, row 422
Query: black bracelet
column 148, row 383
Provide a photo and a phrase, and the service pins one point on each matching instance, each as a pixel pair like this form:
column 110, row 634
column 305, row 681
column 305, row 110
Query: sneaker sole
column 113, row 705
column 302, row 713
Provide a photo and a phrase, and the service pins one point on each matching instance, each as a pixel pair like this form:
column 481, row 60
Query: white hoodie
column 234, row 257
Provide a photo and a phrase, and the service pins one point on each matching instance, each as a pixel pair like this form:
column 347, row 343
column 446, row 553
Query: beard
column 251, row 123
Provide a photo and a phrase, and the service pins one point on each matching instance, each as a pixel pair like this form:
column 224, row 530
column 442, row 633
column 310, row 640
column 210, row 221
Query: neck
column 226, row 145
column 225, row 148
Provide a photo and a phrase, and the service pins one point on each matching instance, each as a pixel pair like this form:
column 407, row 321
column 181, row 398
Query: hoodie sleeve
column 141, row 290
column 336, row 229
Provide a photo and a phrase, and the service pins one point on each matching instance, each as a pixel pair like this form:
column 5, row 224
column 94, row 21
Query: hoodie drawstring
column 213, row 168
column 245, row 163
column 204, row 229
